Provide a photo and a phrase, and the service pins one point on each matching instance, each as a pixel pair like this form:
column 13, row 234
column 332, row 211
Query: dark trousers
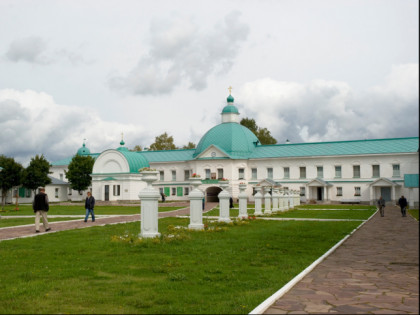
column 404, row 211
column 382, row 210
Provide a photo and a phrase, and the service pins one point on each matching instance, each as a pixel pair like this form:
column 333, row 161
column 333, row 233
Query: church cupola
column 230, row 113
column 83, row 150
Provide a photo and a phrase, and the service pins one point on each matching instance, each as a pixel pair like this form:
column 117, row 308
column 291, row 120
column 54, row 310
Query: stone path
column 29, row 230
column 375, row 271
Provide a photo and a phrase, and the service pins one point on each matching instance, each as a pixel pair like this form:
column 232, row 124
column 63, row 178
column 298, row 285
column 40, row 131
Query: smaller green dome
column 122, row 142
column 230, row 109
column 83, row 150
column 230, row 99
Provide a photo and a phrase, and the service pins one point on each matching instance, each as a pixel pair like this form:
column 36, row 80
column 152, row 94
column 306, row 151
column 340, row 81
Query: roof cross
column 230, row 90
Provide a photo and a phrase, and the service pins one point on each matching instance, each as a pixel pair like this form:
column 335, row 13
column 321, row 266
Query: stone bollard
column 224, row 198
column 275, row 200
column 267, row 201
column 243, row 198
column 258, row 197
column 196, row 204
column 149, row 206
column 291, row 198
column 286, row 200
column 281, row 200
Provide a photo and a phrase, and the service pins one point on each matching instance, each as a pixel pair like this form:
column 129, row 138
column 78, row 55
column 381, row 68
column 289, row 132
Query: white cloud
column 182, row 53
column 32, row 123
column 30, row 49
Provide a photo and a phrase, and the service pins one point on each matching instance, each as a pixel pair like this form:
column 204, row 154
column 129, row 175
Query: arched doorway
column 212, row 193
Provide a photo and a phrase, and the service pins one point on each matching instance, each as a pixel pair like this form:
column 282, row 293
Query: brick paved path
column 29, row 230
column 375, row 271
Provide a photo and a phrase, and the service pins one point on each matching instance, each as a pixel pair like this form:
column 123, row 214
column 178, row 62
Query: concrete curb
column 260, row 309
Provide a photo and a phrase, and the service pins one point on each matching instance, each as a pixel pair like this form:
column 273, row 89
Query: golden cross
column 230, row 90
column 122, row 136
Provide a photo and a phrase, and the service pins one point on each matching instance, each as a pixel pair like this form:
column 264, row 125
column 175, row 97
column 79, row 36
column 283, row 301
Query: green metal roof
column 83, row 150
column 236, row 140
column 135, row 160
column 168, row 155
column 355, row 147
column 67, row 161
column 411, row 180
column 230, row 109
column 230, row 99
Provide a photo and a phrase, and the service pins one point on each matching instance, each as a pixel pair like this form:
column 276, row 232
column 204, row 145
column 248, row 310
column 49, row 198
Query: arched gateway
column 212, row 194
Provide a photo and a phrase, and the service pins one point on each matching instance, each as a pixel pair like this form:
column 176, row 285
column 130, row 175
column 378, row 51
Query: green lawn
column 227, row 271
column 414, row 213
column 79, row 209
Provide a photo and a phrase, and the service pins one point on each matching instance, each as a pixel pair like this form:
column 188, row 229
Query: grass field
column 230, row 269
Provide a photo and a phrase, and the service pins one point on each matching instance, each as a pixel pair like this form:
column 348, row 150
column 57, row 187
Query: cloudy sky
column 307, row 70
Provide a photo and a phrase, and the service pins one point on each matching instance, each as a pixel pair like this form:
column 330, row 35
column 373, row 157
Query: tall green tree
column 263, row 134
column 137, row 148
column 163, row 142
column 10, row 176
column 79, row 172
column 36, row 174
column 190, row 145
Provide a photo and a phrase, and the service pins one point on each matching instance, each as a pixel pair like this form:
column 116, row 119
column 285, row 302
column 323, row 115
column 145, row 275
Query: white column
column 291, row 199
column 149, row 206
column 372, row 196
column 243, row 199
column 275, row 200
column 281, row 200
column 393, row 199
column 258, row 196
column 224, row 197
column 410, row 197
column 196, row 204
column 267, row 201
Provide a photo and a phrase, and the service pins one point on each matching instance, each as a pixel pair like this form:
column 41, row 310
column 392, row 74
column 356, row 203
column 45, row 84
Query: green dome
column 230, row 99
column 83, row 150
column 135, row 160
column 230, row 109
column 235, row 139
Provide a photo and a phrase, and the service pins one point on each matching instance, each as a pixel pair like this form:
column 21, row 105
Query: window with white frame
column 356, row 171
column 320, row 171
column 270, row 172
column 116, row 190
column 339, row 191
column 375, row 171
column 254, row 173
column 186, row 191
column 396, row 170
column 302, row 191
column 338, row 171
column 207, row 170
column 241, row 173
column 174, row 176
column 186, row 174
column 56, row 193
column 357, row 191
column 61, row 176
column 219, row 173
column 302, row 172
column 162, row 175
column 286, row 172
column 173, row 191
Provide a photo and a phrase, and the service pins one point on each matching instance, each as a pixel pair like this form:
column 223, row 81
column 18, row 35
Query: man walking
column 381, row 206
column 89, row 205
column 41, row 207
column 402, row 202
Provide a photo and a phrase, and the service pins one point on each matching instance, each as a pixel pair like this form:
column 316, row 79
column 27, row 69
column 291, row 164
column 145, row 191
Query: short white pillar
column 281, row 199
column 149, row 206
column 196, row 204
column 267, row 201
column 286, row 199
column 291, row 197
column 275, row 200
column 243, row 199
column 224, row 198
column 258, row 197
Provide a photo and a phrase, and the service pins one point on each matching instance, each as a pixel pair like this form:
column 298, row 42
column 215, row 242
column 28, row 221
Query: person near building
column 381, row 206
column 163, row 196
column 89, row 205
column 41, row 206
column 402, row 202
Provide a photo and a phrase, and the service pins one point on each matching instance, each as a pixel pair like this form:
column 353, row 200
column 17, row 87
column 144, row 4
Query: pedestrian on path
column 402, row 202
column 89, row 205
column 381, row 206
column 41, row 206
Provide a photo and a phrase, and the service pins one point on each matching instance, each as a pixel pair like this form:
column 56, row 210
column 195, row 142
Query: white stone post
column 291, row 197
column 258, row 197
column 243, row 198
column 286, row 199
column 275, row 200
column 281, row 200
column 224, row 197
column 267, row 201
column 149, row 206
column 196, row 204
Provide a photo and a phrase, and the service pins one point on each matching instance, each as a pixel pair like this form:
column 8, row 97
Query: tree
column 79, row 172
column 10, row 176
column 190, row 145
column 263, row 134
column 36, row 174
column 163, row 142
column 137, row 148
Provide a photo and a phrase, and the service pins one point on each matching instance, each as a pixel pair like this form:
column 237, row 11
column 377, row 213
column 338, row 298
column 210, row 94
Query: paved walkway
column 375, row 271
column 29, row 230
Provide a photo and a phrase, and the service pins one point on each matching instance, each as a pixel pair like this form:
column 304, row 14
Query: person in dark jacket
column 41, row 207
column 89, row 205
column 381, row 206
column 402, row 202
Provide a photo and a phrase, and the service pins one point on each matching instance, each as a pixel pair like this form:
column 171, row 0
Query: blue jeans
column 90, row 211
